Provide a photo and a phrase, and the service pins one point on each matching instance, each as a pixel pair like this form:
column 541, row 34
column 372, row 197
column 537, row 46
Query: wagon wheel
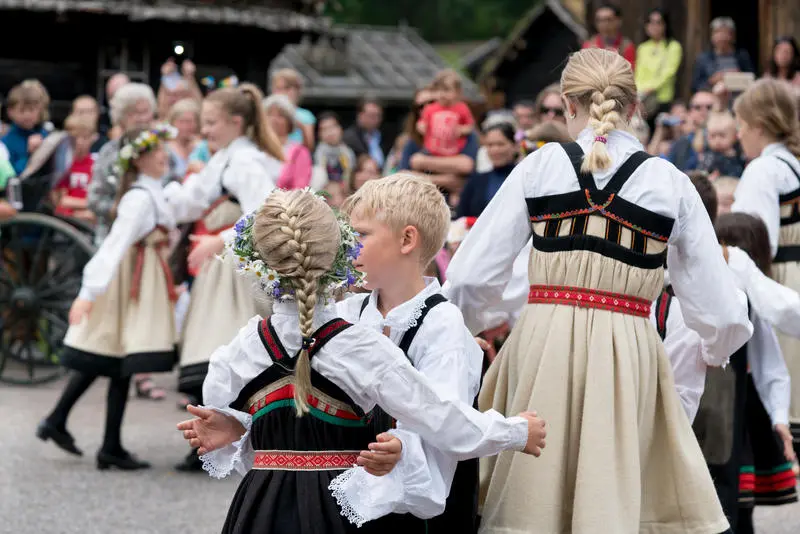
column 40, row 275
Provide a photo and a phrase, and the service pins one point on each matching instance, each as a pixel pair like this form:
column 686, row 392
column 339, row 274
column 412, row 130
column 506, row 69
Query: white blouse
column 763, row 181
column 140, row 210
column 241, row 168
column 446, row 353
column 483, row 264
column 371, row 370
column 686, row 351
column 775, row 303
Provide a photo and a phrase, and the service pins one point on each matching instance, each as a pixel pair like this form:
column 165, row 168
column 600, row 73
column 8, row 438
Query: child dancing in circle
column 295, row 389
column 122, row 321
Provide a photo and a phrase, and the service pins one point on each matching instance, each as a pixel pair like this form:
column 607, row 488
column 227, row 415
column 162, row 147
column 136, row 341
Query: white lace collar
column 404, row 316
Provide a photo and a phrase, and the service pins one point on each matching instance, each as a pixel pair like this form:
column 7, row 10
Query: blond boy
column 27, row 108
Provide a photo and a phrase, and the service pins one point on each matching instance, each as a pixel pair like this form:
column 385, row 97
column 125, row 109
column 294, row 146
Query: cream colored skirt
column 221, row 303
column 621, row 456
column 123, row 335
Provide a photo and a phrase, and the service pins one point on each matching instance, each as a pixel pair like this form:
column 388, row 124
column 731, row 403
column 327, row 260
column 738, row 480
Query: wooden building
column 73, row 46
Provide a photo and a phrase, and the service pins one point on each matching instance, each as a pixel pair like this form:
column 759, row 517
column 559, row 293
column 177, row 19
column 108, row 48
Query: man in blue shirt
column 711, row 66
column 364, row 137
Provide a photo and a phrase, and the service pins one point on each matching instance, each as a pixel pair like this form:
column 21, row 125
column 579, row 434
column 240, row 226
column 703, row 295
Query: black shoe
column 191, row 464
column 46, row 430
column 124, row 461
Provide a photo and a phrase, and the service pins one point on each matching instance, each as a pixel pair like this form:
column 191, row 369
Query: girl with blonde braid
column 602, row 216
column 288, row 400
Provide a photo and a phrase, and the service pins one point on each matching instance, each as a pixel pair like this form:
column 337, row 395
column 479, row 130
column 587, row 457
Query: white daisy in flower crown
column 144, row 142
column 341, row 275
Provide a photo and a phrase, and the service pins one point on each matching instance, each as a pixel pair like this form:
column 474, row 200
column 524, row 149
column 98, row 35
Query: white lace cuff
column 238, row 455
column 361, row 499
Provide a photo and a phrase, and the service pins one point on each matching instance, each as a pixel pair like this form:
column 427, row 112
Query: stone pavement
column 42, row 489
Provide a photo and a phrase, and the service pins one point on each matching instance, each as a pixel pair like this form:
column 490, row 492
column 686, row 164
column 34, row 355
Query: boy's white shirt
column 3, row 152
column 371, row 370
column 447, row 354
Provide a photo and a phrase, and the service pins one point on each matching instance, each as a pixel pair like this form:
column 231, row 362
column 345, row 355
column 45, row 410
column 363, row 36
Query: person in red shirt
column 446, row 123
column 607, row 19
column 72, row 189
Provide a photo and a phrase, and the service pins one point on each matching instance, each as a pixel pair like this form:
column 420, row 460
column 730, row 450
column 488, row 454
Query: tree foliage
column 437, row 20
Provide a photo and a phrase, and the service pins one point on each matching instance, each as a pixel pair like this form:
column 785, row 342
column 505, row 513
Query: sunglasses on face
column 558, row 112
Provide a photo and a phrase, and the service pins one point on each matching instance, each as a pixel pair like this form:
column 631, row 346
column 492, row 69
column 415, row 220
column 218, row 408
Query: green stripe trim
column 747, row 469
column 314, row 412
column 783, row 467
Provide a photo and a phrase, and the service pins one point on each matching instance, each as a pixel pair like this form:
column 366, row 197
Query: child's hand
column 487, row 347
column 207, row 247
column 34, row 142
column 85, row 215
column 6, row 210
column 465, row 130
column 195, row 167
column 188, row 68
column 536, row 434
column 422, row 127
column 786, row 437
column 382, row 456
column 210, row 430
column 168, row 67
column 80, row 308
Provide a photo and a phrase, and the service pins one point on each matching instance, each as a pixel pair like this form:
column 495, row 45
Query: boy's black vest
column 461, row 508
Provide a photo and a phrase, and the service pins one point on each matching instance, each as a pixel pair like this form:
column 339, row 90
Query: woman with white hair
column 296, row 171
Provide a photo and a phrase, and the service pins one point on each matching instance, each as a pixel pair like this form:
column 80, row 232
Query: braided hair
column 298, row 236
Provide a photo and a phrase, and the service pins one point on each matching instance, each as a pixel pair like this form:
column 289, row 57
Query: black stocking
column 115, row 409
column 745, row 523
column 76, row 387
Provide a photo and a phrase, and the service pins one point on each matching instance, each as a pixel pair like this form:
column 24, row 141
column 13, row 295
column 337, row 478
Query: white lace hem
column 413, row 318
column 338, row 488
column 219, row 463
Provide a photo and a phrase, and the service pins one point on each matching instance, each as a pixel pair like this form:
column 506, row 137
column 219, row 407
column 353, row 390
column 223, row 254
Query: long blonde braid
column 298, row 236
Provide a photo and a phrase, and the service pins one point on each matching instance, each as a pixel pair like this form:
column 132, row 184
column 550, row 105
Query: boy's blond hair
column 447, row 78
column 290, row 77
column 30, row 93
column 726, row 184
column 404, row 199
column 721, row 120
column 75, row 124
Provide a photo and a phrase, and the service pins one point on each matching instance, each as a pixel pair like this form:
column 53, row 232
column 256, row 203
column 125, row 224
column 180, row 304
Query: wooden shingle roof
column 388, row 63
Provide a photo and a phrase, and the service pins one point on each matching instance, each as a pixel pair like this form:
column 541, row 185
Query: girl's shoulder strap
column 271, row 342
column 152, row 198
column 276, row 350
column 325, row 333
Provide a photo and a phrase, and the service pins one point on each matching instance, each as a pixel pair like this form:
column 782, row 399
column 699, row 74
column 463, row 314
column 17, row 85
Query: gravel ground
column 42, row 489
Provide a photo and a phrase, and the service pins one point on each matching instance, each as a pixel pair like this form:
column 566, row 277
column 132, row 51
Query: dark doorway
column 745, row 15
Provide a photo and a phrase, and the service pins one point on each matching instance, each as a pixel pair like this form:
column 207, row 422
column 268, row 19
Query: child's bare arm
column 422, row 127
column 73, row 203
column 6, row 210
column 466, row 129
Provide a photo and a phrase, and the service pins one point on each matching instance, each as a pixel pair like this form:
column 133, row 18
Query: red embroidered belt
column 589, row 298
column 137, row 272
column 304, row 460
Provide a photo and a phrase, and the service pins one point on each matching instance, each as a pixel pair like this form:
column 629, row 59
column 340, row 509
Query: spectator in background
column 366, row 169
column 538, row 136
column 177, row 86
column 525, row 114
column 86, row 106
column 446, row 123
column 711, row 66
column 785, row 61
column 548, row 105
column 494, row 118
column 296, row 171
column 725, row 187
column 667, row 130
column 410, row 140
column 289, row 82
column 684, row 151
column 607, row 20
column 364, row 137
column 503, row 152
column 105, row 127
column 27, row 109
column 332, row 154
column 722, row 155
column 185, row 117
column 71, row 191
column 657, row 61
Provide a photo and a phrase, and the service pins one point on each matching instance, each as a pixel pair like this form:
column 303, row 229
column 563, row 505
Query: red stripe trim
column 327, row 332
column 589, row 298
column 272, row 345
column 304, row 460
column 662, row 312
column 769, row 479
column 287, row 392
column 330, row 410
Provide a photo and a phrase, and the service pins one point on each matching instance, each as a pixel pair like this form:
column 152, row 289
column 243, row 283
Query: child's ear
column 409, row 240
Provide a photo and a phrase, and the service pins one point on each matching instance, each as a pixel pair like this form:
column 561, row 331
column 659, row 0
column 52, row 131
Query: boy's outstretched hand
column 382, row 456
column 536, row 434
column 210, row 430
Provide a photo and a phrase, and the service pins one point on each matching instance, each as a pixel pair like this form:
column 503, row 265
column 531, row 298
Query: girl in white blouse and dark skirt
column 123, row 320
column 769, row 132
column 243, row 171
column 296, row 389
column 603, row 216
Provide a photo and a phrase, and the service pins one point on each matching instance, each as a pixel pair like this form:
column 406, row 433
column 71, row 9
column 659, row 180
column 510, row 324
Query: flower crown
column 337, row 279
column 144, row 142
